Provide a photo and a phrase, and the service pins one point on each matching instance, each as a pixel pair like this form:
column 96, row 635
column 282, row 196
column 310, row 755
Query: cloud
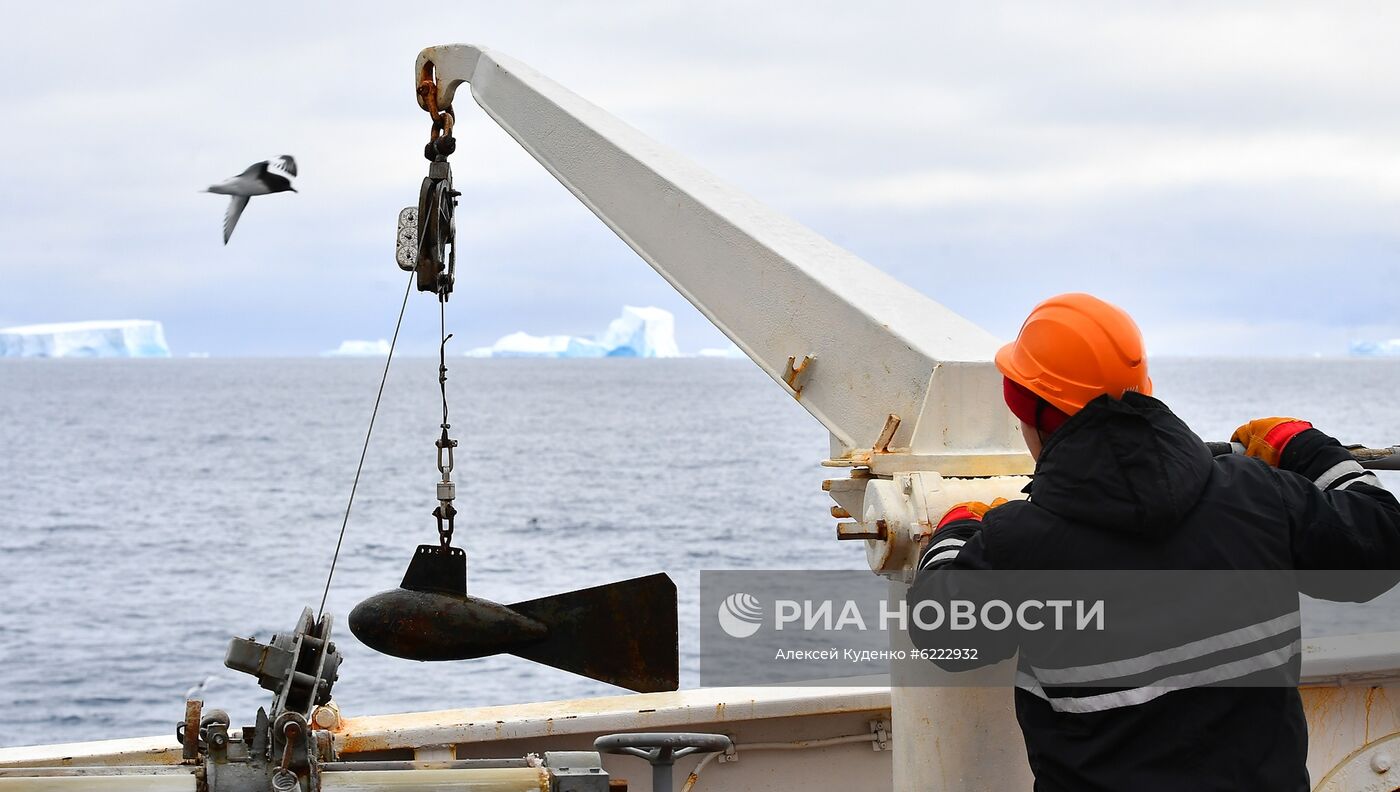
column 1360, row 170
column 1172, row 156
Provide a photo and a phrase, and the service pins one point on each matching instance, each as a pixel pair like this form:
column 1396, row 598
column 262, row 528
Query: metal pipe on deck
column 521, row 779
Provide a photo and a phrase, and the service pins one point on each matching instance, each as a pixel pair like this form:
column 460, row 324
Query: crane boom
column 851, row 343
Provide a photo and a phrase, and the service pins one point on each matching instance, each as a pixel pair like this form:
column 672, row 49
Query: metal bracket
column 882, row 443
column 881, row 730
column 794, row 372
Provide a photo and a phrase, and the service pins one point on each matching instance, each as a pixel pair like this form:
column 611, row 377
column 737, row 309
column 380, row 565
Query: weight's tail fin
column 622, row 633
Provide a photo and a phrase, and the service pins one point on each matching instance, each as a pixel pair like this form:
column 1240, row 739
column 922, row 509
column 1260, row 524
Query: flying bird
column 263, row 178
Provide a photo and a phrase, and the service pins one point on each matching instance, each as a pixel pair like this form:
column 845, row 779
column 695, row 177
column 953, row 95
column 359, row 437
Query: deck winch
column 291, row 747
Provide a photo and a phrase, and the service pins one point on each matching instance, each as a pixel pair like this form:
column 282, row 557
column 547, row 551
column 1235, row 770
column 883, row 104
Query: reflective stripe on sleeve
column 1365, row 478
column 1332, row 475
column 935, row 558
column 1142, row 695
column 939, row 551
column 1117, row 669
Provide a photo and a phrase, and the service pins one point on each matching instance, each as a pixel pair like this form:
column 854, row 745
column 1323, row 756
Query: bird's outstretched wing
column 236, row 204
column 287, row 164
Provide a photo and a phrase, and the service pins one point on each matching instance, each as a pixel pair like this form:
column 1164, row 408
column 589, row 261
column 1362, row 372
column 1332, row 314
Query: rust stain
column 1370, row 699
column 352, row 744
column 882, row 443
column 794, row 372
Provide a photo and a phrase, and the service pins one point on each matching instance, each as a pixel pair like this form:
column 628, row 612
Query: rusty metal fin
column 437, row 568
column 623, row 633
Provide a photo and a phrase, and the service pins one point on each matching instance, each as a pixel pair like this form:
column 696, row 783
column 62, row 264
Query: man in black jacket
column 1122, row 484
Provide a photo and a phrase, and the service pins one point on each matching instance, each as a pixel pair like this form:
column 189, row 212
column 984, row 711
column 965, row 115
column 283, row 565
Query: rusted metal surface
column 443, row 118
column 1373, row 768
column 793, row 374
column 854, row 530
column 326, row 716
column 882, row 443
column 1342, row 721
column 624, row 633
column 189, row 736
column 425, row 625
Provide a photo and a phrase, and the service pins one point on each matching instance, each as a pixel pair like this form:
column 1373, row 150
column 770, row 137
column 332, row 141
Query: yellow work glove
column 1264, row 438
column 969, row 510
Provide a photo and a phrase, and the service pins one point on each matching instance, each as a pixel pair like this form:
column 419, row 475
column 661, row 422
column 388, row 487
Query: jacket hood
column 1122, row 464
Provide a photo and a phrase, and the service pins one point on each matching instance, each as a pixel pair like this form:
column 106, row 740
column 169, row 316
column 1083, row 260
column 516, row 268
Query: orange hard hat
column 1074, row 348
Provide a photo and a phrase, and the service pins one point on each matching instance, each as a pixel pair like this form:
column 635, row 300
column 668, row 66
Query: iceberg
column 730, row 352
column 122, row 338
column 354, row 348
column 518, row 345
column 641, row 332
column 1389, row 348
column 638, row 332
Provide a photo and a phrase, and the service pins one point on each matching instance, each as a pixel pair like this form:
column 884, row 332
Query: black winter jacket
column 1125, row 485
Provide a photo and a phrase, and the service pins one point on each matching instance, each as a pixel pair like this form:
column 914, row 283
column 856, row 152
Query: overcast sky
column 1229, row 175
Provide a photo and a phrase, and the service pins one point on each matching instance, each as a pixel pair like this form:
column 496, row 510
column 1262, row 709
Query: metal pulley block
column 435, row 260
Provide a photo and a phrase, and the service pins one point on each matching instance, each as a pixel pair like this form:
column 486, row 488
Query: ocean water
column 151, row 510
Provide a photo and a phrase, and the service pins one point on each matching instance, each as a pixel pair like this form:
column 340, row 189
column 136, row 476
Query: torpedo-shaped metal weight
column 623, row 633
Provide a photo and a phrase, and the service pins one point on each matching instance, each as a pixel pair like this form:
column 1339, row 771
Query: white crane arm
column 851, row 343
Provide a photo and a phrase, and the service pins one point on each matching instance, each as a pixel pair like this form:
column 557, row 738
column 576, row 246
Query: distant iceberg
column 124, row 338
column 1389, row 348
column 638, row 332
column 730, row 352
column 352, row 348
column 641, row 332
column 518, row 345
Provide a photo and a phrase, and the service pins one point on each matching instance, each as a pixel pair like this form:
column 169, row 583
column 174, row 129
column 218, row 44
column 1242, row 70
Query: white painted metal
column 1344, row 722
column 434, row 753
column 1369, row 658
column 163, row 783
column 1374, row 768
column 750, row 716
column 638, row 712
column 163, row 750
column 781, row 292
column 911, row 504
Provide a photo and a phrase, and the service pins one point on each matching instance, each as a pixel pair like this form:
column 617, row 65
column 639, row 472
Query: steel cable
column 365, row 448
